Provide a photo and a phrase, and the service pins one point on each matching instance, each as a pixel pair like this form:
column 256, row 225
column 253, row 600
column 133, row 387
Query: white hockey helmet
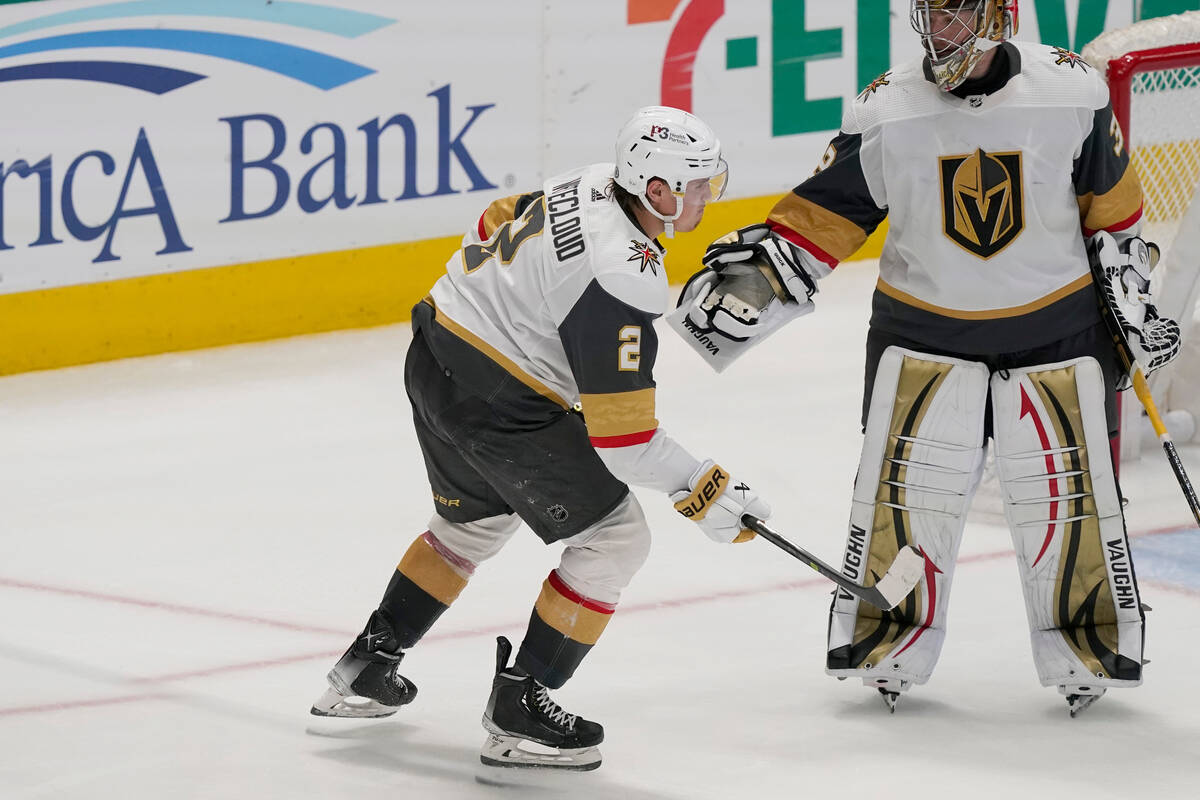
column 957, row 33
column 677, row 147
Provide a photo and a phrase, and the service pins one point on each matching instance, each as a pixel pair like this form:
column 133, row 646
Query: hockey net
column 1153, row 72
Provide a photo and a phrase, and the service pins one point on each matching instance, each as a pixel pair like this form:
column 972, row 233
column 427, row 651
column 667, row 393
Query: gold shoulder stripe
column 1071, row 288
column 619, row 413
column 1116, row 205
column 495, row 355
column 828, row 230
column 499, row 212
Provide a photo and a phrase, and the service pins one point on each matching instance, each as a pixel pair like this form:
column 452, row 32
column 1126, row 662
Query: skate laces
column 541, row 696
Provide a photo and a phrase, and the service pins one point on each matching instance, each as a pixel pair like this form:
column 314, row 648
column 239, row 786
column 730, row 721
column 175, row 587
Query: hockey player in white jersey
column 997, row 164
column 531, row 380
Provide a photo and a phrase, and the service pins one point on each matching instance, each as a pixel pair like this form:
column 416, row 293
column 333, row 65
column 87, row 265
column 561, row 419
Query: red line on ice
column 175, row 608
column 633, row 608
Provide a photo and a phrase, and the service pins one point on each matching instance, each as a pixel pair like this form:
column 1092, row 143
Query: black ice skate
column 528, row 729
column 364, row 682
column 1080, row 697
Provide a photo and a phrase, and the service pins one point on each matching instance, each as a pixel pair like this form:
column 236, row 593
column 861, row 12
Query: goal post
column 1153, row 73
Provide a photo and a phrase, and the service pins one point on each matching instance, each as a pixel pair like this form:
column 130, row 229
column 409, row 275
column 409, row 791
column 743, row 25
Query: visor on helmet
column 705, row 190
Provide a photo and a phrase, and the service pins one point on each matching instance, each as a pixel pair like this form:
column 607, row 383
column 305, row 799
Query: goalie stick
column 1143, row 393
column 1116, row 330
column 898, row 581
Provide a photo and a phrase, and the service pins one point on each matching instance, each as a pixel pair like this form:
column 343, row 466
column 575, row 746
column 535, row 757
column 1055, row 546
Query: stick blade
column 901, row 577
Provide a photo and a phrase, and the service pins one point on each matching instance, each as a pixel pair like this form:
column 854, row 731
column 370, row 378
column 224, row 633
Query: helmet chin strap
column 668, row 222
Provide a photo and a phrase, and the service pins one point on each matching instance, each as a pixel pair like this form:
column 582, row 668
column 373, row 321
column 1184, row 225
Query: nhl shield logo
column 983, row 208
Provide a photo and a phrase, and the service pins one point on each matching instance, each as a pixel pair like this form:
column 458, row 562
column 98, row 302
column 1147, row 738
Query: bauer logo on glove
column 717, row 504
column 696, row 506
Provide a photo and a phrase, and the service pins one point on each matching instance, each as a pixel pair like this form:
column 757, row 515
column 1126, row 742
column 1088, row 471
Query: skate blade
column 335, row 704
column 503, row 754
column 1081, row 702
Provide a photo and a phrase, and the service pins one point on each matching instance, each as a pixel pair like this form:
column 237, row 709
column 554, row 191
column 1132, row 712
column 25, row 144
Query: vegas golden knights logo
column 982, row 201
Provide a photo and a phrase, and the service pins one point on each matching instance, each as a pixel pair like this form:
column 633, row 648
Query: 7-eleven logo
column 695, row 21
column 861, row 40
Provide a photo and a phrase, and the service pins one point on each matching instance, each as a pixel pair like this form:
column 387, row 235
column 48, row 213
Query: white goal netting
column 1163, row 128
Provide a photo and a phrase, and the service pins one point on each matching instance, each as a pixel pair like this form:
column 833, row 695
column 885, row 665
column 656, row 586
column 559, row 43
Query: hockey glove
column 716, row 502
column 713, row 332
column 1122, row 273
column 795, row 271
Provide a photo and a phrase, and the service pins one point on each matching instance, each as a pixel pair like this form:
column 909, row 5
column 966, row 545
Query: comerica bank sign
column 306, row 164
column 325, row 143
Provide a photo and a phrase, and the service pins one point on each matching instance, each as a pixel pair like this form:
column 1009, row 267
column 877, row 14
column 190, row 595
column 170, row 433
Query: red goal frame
column 1121, row 72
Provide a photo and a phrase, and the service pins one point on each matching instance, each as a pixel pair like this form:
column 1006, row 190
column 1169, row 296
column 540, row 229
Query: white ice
column 187, row 543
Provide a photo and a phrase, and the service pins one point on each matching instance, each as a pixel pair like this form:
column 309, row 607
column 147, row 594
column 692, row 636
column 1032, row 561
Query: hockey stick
column 898, row 581
column 1125, row 353
column 1143, row 393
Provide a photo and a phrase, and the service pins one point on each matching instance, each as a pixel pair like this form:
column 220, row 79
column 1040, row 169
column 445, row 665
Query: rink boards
column 188, row 173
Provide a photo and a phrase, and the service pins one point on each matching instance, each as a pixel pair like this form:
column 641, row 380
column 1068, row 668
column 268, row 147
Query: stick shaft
column 1185, row 483
column 867, row 593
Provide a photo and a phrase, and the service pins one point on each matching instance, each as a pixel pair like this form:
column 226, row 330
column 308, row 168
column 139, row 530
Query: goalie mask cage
column 1153, row 72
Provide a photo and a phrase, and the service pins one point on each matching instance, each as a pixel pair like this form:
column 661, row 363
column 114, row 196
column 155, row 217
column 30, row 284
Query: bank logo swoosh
column 314, row 68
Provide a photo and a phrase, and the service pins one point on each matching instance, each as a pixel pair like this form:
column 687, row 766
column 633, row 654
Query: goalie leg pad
column 1064, row 512
column 921, row 461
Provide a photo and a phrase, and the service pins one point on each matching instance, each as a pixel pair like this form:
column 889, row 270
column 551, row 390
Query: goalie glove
column 795, row 272
column 716, row 502
column 707, row 323
column 1122, row 273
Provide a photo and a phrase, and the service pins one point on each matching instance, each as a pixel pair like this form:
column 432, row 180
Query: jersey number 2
column 629, row 354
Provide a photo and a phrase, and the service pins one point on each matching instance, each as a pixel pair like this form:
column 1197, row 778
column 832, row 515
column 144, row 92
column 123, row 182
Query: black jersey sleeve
column 1106, row 184
column 832, row 213
column 611, row 347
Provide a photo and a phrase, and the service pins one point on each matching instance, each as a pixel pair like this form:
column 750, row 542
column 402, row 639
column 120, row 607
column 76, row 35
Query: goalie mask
column 957, row 33
column 677, row 147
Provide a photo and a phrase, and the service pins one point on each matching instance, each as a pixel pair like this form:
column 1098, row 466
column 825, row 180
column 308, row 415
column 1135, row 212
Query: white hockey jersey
column 561, row 288
column 989, row 198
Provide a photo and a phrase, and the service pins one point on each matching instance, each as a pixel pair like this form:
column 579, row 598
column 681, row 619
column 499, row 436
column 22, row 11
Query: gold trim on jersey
column 1085, row 611
column 568, row 617
column 499, row 212
column 619, row 413
column 433, row 574
column 828, row 230
column 1116, row 205
column 1071, row 288
column 502, row 360
column 891, row 529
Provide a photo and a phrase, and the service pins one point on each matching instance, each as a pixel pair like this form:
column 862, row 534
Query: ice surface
column 187, row 542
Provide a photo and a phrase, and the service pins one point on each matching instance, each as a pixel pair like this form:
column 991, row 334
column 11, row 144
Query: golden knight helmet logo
column 982, row 201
